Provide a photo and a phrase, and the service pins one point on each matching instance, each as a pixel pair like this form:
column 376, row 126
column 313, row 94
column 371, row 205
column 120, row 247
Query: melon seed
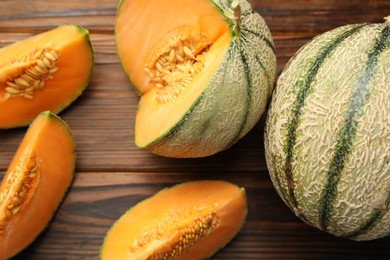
column 15, row 210
column 50, row 56
column 188, row 52
column 12, row 90
column 22, row 82
column 32, row 72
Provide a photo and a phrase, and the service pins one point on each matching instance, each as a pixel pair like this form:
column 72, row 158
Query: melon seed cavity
column 176, row 232
column 174, row 69
column 29, row 72
column 18, row 184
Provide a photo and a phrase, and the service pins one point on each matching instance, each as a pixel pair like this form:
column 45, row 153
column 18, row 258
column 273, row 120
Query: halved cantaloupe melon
column 204, row 69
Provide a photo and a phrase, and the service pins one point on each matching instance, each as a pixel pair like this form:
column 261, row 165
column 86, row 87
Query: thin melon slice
column 204, row 70
column 35, row 182
column 47, row 71
column 188, row 221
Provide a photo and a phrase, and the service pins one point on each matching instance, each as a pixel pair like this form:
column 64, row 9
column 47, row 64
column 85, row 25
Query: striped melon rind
column 327, row 135
column 234, row 99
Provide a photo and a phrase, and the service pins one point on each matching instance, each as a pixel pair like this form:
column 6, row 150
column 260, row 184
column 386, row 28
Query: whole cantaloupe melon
column 327, row 135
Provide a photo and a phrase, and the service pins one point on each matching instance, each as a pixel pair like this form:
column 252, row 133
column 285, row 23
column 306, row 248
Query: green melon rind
column 233, row 101
column 302, row 92
column 347, row 133
column 83, row 31
column 315, row 151
column 221, row 6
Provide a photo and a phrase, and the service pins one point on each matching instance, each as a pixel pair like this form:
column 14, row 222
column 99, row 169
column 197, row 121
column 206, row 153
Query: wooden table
column 112, row 174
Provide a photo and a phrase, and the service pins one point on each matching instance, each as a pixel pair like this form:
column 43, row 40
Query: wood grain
column 113, row 175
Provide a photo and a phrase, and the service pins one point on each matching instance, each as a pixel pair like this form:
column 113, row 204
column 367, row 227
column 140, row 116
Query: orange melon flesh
column 74, row 64
column 150, row 112
column 49, row 140
column 142, row 26
column 143, row 30
column 225, row 201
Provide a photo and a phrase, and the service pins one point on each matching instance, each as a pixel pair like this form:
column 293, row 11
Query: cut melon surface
column 192, row 220
column 35, row 183
column 45, row 72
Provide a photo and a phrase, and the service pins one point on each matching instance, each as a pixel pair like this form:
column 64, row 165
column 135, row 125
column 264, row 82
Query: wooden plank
column 318, row 16
column 282, row 15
